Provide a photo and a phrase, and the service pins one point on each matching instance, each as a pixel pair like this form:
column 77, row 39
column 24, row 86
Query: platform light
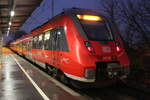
column 7, row 33
column 12, row 13
column 9, row 28
column 89, row 17
column 10, row 23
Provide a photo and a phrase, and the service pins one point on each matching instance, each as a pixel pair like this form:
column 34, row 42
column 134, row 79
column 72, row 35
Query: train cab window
column 97, row 31
column 46, row 40
column 95, row 27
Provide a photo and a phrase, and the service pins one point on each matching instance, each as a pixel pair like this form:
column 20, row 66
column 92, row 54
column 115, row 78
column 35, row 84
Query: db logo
column 106, row 49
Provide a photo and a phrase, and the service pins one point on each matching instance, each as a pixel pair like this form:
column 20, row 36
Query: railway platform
column 21, row 80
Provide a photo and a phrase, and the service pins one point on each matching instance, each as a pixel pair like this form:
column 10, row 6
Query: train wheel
column 55, row 73
column 64, row 79
column 49, row 70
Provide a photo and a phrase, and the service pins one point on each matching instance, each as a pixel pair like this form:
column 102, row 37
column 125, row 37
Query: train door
column 41, row 47
column 47, row 51
column 35, row 48
column 21, row 50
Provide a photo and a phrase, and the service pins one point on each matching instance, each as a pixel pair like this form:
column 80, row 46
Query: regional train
column 78, row 47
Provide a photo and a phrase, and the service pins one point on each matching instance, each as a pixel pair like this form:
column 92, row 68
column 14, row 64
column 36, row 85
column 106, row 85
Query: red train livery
column 79, row 45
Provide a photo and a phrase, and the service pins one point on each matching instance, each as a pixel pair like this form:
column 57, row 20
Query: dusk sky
column 43, row 13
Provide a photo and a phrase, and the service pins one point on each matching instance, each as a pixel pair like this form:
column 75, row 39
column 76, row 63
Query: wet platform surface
column 20, row 80
column 14, row 85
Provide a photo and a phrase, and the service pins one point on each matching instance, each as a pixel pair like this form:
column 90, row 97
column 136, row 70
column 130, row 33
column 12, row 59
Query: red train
column 79, row 45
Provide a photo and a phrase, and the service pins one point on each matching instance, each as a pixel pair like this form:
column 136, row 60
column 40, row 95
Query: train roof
column 80, row 11
column 72, row 11
column 68, row 11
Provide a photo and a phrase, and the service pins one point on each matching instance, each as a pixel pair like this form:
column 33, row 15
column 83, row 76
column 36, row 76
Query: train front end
column 105, row 57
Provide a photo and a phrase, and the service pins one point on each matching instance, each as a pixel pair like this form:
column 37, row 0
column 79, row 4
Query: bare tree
column 133, row 14
column 109, row 8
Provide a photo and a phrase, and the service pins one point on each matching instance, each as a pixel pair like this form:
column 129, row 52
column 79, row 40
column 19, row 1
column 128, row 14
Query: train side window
column 30, row 45
column 43, row 41
column 37, row 42
column 58, row 40
column 23, row 44
column 53, row 39
column 34, row 42
column 46, row 40
column 62, row 44
column 26, row 45
column 40, row 41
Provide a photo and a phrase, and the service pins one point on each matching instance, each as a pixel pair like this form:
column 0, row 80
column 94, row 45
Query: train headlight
column 90, row 73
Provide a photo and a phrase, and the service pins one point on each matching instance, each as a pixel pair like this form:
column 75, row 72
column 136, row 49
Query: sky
column 44, row 12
